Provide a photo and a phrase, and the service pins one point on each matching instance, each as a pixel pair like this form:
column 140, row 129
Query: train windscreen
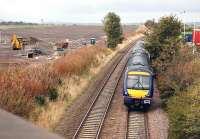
column 139, row 82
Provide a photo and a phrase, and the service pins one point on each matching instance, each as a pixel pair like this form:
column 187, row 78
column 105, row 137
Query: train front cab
column 138, row 89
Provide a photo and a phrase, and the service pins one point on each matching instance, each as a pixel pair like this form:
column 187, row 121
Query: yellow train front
column 138, row 79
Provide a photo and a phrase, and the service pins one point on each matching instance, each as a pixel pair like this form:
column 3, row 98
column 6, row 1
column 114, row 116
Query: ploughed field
column 56, row 33
column 47, row 36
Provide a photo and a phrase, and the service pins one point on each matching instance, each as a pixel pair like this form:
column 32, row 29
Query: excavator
column 17, row 42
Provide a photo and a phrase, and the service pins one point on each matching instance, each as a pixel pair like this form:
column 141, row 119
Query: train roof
column 140, row 42
column 138, row 60
column 140, row 52
column 140, row 68
column 139, row 47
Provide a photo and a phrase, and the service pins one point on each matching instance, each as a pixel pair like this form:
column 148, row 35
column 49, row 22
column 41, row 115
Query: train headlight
column 125, row 93
column 148, row 93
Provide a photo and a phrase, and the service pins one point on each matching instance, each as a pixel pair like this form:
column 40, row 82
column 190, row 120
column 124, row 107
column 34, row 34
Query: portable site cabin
column 196, row 37
column 93, row 41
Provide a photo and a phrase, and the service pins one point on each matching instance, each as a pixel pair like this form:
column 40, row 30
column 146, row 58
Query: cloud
column 93, row 10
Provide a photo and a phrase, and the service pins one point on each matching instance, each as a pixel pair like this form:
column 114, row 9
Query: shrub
column 179, row 92
column 163, row 41
column 183, row 110
column 179, row 76
column 53, row 94
column 178, row 80
column 150, row 23
column 40, row 100
column 113, row 29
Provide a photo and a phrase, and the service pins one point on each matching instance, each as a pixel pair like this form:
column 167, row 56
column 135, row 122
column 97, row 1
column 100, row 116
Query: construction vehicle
column 18, row 42
column 60, row 46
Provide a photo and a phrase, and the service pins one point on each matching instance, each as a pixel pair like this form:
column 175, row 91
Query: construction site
column 22, row 46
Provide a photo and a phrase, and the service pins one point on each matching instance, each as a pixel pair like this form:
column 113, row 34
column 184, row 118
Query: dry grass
column 20, row 86
column 73, row 84
column 79, row 61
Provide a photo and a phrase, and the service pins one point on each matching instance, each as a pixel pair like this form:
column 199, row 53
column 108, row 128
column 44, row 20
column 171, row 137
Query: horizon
column 84, row 24
column 92, row 11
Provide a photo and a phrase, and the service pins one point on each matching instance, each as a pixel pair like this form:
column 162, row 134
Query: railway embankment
column 177, row 77
column 42, row 93
column 179, row 85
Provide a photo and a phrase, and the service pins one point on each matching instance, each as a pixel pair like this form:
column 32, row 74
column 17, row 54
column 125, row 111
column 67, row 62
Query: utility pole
column 0, row 37
column 42, row 21
column 193, row 45
column 184, row 23
column 184, row 30
column 184, row 12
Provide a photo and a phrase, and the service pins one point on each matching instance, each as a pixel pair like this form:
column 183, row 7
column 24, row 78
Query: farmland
column 46, row 37
column 56, row 33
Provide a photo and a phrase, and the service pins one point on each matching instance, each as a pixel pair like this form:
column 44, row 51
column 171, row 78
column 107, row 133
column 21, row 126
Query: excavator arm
column 16, row 43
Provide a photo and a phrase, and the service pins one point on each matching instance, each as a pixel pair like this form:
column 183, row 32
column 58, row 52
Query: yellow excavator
column 17, row 42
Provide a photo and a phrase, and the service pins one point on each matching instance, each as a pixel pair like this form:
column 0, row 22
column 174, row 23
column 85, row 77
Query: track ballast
column 91, row 124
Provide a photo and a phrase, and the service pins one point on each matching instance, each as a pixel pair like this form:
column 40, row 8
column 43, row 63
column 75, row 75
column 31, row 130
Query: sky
column 93, row 11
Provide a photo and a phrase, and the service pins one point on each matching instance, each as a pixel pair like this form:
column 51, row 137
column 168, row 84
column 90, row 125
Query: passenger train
column 138, row 79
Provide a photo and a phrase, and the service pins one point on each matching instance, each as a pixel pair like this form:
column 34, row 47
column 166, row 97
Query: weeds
column 78, row 62
column 179, row 90
column 184, row 117
column 40, row 100
column 53, row 94
column 179, row 76
column 22, row 89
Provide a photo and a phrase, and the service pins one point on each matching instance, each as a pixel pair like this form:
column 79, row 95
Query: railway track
column 137, row 125
column 92, row 122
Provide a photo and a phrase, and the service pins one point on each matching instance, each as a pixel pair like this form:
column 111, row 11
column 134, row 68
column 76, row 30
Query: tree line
column 16, row 23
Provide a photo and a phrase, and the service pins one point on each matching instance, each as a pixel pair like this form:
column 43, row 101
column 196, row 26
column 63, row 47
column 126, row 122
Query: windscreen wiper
column 141, row 85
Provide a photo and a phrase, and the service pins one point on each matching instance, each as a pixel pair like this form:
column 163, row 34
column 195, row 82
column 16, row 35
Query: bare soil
column 11, row 58
column 115, row 122
column 47, row 36
column 157, row 119
column 56, row 33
